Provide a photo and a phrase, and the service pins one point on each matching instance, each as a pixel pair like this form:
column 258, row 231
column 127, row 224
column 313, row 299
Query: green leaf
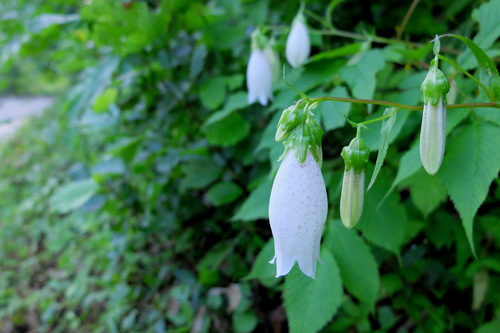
column 311, row 303
column 361, row 76
column 224, row 193
column 73, row 195
column 427, row 192
column 103, row 102
column 356, row 263
column 261, row 268
column 487, row 68
column 338, row 52
column 213, row 92
column 197, row 61
column 489, row 30
column 384, row 225
column 385, row 132
column 332, row 113
column 228, row 131
column 244, row 322
column 257, row 205
column 409, row 164
column 471, row 164
column 490, row 327
column 199, row 172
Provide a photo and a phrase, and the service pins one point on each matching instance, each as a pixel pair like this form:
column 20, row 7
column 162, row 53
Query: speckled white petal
column 259, row 78
column 297, row 212
column 433, row 136
column 298, row 45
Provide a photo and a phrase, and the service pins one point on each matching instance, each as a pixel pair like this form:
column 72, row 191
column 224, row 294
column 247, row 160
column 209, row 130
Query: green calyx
column 259, row 40
column 435, row 85
column 300, row 131
column 289, row 119
column 356, row 155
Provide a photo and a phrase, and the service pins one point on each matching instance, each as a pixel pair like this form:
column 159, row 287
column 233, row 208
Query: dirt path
column 13, row 111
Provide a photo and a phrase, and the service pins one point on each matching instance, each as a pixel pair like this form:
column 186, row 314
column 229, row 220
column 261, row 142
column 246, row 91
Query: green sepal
column 435, row 85
column 289, row 119
column 356, row 155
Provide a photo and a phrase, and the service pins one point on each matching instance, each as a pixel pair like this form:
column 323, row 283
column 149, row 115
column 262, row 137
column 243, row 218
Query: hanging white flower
column 433, row 136
column 297, row 212
column 259, row 78
column 298, row 45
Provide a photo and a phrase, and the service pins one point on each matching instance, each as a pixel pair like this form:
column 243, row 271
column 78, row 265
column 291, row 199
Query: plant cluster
column 142, row 201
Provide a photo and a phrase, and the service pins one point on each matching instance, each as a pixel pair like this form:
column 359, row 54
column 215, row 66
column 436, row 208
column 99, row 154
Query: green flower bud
column 352, row 197
column 356, row 155
column 353, row 185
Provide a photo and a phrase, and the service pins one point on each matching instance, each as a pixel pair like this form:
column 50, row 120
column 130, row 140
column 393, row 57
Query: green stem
column 394, row 110
column 470, row 76
column 399, row 105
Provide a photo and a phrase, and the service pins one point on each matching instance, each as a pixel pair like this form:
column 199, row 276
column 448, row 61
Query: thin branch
column 406, row 19
column 399, row 105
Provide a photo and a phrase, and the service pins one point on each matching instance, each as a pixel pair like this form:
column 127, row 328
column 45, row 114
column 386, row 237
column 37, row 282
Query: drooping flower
column 297, row 212
column 433, row 130
column 259, row 71
column 298, row 45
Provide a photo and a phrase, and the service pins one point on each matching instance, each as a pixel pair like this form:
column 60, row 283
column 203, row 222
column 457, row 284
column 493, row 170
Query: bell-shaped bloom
column 297, row 212
column 298, row 45
column 433, row 136
column 259, row 78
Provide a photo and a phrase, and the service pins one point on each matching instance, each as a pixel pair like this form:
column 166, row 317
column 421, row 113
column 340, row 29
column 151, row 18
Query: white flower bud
column 298, row 45
column 297, row 212
column 259, row 78
column 433, row 136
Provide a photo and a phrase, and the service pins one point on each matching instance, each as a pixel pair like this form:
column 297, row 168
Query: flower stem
column 399, row 105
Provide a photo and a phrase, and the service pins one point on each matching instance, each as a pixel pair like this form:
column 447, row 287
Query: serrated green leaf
column 471, row 164
column 73, row 195
column 361, row 76
column 257, row 204
column 311, row 303
column 385, row 132
column 384, row 225
column 223, row 193
column 228, row 131
column 356, row 263
column 427, row 192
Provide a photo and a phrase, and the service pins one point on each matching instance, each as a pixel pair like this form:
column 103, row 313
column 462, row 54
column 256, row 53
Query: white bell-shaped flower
column 259, row 78
column 433, row 136
column 297, row 212
column 298, row 45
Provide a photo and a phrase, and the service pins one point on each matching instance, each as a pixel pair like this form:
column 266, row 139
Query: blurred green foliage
column 138, row 203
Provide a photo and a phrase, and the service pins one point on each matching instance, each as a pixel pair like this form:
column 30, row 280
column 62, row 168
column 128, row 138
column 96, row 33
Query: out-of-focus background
column 135, row 177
